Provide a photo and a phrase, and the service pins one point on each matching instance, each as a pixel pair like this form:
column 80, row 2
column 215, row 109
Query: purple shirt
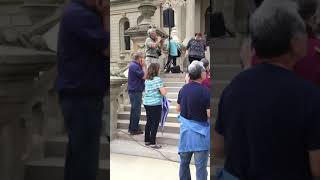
column 135, row 78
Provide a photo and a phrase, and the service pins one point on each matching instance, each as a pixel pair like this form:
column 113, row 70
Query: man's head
column 152, row 33
column 307, row 10
column 277, row 29
column 205, row 63
column 198, row 36
column 139, row 57
column 196, row 71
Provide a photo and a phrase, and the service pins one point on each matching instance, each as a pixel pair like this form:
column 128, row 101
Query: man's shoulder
column 76, row 10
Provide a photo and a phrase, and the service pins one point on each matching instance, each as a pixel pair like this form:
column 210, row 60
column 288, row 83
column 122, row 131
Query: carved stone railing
column 19, row 69
column 118, row 97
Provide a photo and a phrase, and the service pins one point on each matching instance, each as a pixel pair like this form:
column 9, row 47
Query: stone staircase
column 225, row 66
column 51, row 166
column 134, row 145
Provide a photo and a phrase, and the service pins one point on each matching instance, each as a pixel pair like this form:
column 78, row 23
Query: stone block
column 4, row 21
column 21, row 20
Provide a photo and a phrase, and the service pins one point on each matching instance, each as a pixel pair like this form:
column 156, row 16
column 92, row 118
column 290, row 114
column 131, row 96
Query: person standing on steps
column 196, row 48
column 207, row 81
column 136, row 77
column 82, row 65
column 174, row 52
column 153, row 46
column 154, row 92
column 194, row 108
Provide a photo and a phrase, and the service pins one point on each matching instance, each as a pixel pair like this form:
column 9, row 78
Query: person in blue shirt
column 154, row 92
column 174, row 49
column 194, row 108
column 82, row 65
column 136, row 78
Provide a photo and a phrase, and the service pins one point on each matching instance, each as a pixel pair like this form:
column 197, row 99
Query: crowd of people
column 268, row 124
column 145, row 87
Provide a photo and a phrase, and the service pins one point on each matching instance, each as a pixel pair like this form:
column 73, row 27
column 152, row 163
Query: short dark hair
column 307, row 8
column 153, row 70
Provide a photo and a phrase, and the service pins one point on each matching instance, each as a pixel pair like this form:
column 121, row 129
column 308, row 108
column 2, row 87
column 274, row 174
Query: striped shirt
column 152, row 96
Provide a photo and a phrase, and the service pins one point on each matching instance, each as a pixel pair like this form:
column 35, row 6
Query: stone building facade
column 189, row 19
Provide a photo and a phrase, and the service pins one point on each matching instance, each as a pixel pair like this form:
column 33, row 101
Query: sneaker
column 147, row 143
column 155, row 146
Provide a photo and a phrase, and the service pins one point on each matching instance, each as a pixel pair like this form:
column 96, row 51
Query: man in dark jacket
column 83, row 48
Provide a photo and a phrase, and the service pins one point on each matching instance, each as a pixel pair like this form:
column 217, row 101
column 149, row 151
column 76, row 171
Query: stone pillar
column 115, row 90
column 178, row 21
column 190, row 18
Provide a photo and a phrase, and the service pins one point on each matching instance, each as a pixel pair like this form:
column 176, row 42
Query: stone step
column 226, row 72
column 172, row 95
column 172, row 75
column 166, row 80
column 173, row 89
column 218, row 87
column 56, row 147
column 162, row 138
column 178, row 84
column 53, row 169
column 167, row 152
column 127, row 108
column 169, row 127
column 172, row 117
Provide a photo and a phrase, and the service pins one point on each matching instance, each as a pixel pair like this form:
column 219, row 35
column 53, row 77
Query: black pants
column 173, row 59
column 194, row 58
column 83, row 121
column 153, row 119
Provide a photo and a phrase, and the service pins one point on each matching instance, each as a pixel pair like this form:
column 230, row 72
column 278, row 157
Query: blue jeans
column 136, row 101
column 201, row 161
column 83, row 121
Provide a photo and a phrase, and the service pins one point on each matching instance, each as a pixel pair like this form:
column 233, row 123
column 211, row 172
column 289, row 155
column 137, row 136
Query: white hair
column 195, row 69
column 151, row 30
column 273, row 25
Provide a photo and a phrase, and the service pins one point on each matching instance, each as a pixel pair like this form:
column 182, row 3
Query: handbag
column 175, row 69
column 179, row 52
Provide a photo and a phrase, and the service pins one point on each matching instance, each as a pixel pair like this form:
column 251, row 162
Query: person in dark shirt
column 136, row 77
column 82, row 64
column 268, row 124
column 194, row 108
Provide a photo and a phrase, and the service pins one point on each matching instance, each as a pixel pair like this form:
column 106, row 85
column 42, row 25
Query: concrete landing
column 125, row 167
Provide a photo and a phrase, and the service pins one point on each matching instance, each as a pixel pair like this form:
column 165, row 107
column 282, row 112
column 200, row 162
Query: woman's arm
column 163, row 91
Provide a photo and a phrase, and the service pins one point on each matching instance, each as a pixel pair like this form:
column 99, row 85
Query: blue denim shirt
column 194, row 135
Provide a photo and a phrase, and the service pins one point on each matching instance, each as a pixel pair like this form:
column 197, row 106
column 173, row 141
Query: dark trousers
column 194, row 58
column 135, row 113
column 153, row 119
column 172, row 59
column 83, row 121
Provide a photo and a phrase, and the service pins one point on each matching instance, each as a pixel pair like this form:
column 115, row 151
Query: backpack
column 175, row 69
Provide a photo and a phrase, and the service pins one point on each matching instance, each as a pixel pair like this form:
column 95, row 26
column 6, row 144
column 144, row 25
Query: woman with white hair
column 268, row 118
column 194, row 107
column 153, row 47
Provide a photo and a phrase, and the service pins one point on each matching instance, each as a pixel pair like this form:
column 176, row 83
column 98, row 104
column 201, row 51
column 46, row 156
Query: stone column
column 115, row 90
column 178, row 21
column 190, row 18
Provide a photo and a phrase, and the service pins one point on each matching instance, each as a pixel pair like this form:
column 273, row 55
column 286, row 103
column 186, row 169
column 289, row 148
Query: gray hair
column 195, row 69
column 272, row 27
column 151, row 30
column 137, row 55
